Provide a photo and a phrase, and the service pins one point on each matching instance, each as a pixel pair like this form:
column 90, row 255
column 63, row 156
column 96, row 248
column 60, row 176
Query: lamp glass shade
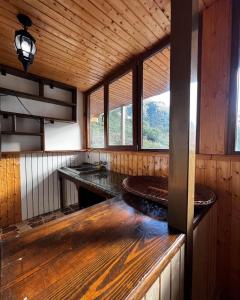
column 25, row 46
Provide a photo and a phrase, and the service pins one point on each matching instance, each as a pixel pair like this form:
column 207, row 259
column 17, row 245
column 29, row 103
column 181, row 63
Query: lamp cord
column 26, row 109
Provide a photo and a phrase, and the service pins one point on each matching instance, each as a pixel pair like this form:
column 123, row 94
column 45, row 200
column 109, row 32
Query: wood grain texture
column 79, row 42
column 221, row 173
column 10, row 199
column 102, row 252
column 215, row 75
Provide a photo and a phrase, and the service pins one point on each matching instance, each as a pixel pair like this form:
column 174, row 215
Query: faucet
column 101, row 164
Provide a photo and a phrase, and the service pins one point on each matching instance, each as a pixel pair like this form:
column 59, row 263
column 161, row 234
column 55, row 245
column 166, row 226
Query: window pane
column 96, row 123
column 156, row 101
column 120, row 127
column 237, row 144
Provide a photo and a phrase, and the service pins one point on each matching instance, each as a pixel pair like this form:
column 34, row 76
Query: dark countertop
column 106, row 181
column 107, row 251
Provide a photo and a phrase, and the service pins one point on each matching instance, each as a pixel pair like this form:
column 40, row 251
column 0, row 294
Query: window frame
column 235, row 66
column 136, row 66
column 87, row 118
column 140, row 109
column 124, row 71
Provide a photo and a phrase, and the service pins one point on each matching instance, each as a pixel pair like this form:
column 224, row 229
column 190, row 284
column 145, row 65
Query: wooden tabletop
column 106, row 251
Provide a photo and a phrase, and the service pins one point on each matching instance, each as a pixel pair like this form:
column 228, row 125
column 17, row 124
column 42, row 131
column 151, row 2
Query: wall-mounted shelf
column 35, row 97
column 21, row 133
column 28, row 116
column 14, row 127
column 54, row 98
column 40, row 96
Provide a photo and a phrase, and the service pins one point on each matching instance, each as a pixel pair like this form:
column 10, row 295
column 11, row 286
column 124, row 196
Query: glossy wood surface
column 79, row 42
column 222, row 174
column 102, row 252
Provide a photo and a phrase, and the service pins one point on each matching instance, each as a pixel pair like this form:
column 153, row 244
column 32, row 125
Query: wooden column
column 183, row 86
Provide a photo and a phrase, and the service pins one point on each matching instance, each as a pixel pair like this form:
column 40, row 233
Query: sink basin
column 85, row 168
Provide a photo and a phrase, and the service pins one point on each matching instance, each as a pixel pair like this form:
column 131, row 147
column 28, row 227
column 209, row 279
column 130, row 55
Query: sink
column 86, row 168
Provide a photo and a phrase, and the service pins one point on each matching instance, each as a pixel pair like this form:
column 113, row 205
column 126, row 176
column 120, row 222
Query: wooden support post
column 183, row 116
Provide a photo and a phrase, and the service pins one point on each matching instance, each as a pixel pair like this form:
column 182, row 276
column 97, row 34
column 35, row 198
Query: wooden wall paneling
column 145, row 165
column 29, row 186
column 154, row 291
column 10, row 206
column 166, row 283
column 175, row 276
column 40, row 183
column 45, row 184
column 55, row 181
column 130, row 164
column 59, row 162
column 135, row 164
column 169, row 284
column 200, row 263
column 51, row 182
column 215, row 74
column 200, row 171
column 10, row 188
column 157, row 165
column 211, row 174
column 35, row 185
column 68, row 183
column 182, row 259
column 23, row 187
column 224, row 225
column 17, row 211
column 164, row 166
column 4, row 204
column 140, row 165
column 212, row 250
column 151, row 166
column 234, row 288
column 204, row 259
column 118, row 163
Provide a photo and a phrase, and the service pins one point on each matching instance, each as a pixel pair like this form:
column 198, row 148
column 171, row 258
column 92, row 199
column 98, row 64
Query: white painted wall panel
column 39, row 182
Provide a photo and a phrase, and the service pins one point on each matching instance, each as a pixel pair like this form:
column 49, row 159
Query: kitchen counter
column 108, row 251
column 105, row 183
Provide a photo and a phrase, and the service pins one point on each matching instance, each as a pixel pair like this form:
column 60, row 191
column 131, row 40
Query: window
column 237, row 137
column 234, row 113
column 96, row 119
column 136, row 104
column 120, row 112
column 156, row 101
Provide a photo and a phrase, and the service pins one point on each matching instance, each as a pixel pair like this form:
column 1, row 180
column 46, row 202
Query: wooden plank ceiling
column 154, row 83
column 79, row 42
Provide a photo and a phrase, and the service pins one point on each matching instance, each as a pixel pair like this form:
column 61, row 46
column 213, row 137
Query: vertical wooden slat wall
column 39, row 182
column 10, row 197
